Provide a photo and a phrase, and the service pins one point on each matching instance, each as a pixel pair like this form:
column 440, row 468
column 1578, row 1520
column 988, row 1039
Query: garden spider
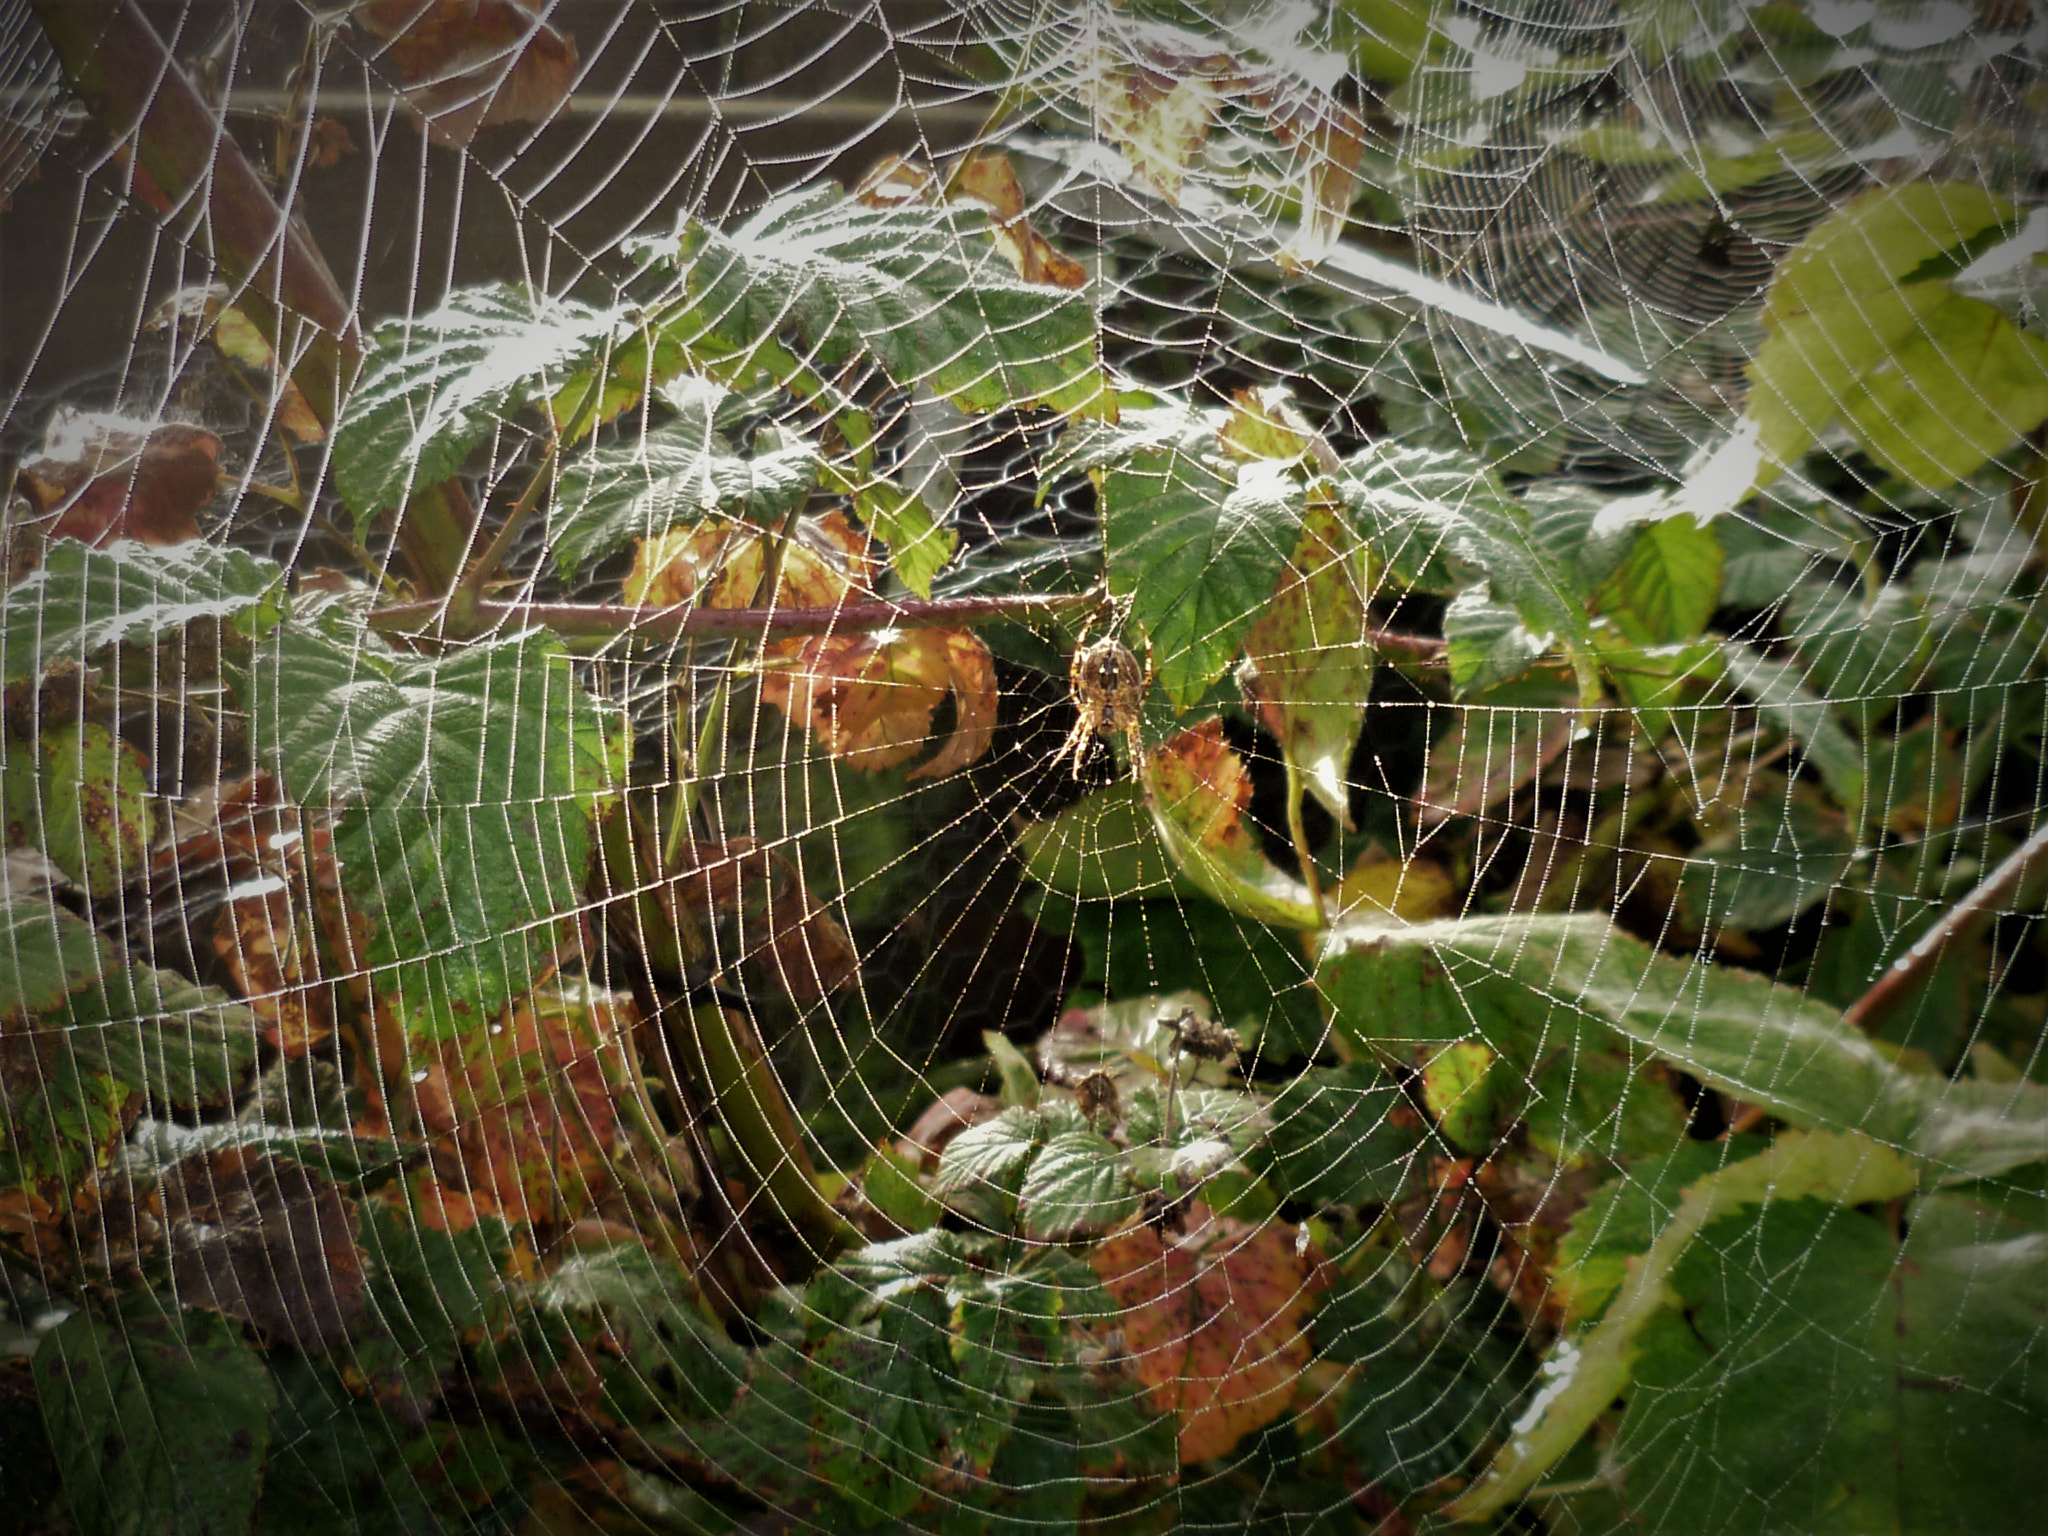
column 1109, row 685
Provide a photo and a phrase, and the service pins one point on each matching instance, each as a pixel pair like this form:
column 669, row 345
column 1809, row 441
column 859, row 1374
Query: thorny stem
column 1911, row 968
column 611, row 620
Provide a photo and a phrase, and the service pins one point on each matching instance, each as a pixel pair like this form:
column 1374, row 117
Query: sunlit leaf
column 81, row 600
column 869, row 697
column 1933, row 382
column 919, row 288
column 436, row 386
column 464, row 788
column 1197, row 546
column 1199, row 789
column 681, row 472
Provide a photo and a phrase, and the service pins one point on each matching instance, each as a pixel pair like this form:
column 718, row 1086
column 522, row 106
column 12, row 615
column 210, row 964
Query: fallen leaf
column 103, row 476
column 237, row 337
column 465, row 65
column 1213, row 1321
column 870, row 696
column 331, row 142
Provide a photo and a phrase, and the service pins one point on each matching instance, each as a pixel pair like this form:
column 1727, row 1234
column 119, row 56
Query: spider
column 1109, row 684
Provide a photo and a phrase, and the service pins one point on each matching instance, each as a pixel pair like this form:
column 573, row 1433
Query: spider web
column 563, row 1282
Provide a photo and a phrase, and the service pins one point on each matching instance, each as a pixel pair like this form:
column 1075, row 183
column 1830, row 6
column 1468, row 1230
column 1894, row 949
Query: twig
column 597, row 620
column 603, row 620
column 1911, row 968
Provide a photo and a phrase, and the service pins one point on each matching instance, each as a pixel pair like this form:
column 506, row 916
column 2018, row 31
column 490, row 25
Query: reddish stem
column 600, row 620
column 122, row 73
column 1911, row 968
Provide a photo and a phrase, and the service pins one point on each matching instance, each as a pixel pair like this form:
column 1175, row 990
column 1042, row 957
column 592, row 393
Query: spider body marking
column 1109, row 685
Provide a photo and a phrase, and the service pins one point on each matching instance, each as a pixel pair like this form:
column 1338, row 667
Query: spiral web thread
column 1576, row 308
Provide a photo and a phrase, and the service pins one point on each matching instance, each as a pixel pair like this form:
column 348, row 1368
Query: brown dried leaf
column 102, row 477
column 331, row 142
column 991, row 179
column 527, row 1104
column 268, row 948
column 466, row 65
column 1213, row 1320
column 869, row 697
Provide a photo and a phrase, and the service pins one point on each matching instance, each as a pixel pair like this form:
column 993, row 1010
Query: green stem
column 1297, row 831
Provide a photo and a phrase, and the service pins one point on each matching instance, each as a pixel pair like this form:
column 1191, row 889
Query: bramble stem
column 1911, row 968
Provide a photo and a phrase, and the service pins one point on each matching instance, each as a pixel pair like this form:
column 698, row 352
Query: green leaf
column 160, row 1420
column 435, row 387
column 681, row 471
column 980, row 1168
column 1436, row 517
column 82, row 600
column 921, row 289
column 1782, row 699
column 1622, row 1218
column 1410, row 504
column 1343, row 1136
column 183, row 1044
column 1774, row 857
column 1487, row 643
column 1075, row 1186
column 82, row 796
column 1457, row 1085
column 1103, row 847
column 51, row 953
column 465, row 786
column 429, row 1286
column 1504, row 980
column 1255, row 977
column 1594, row 1369
column 891, row 1186
column 1196, row 544
column 619, row 1296
column 1308, row 661
column 1669, row 584
column 1933, row 383
column 919, row 544
column 1847, row 1383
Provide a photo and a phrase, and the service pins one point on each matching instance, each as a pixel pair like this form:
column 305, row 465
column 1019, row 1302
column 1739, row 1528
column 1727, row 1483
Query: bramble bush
column 1527, row 1015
